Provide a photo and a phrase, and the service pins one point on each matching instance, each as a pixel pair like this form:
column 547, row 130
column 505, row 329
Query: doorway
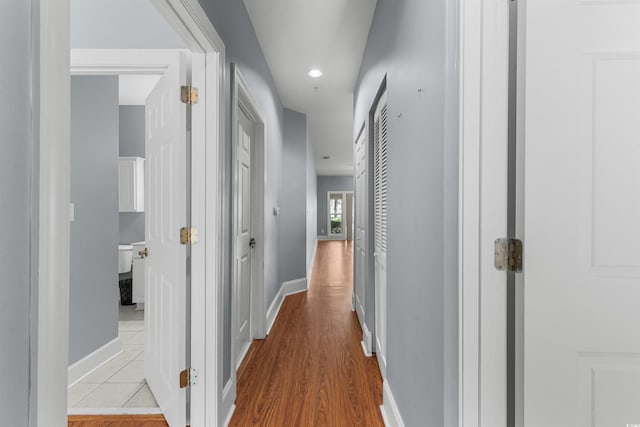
column 248, row 316
column 149, row 352
column 340, row 214
column 188, row 18
column 107, row 361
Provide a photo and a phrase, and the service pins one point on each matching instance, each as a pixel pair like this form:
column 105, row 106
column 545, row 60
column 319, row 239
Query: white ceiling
column 298, row 35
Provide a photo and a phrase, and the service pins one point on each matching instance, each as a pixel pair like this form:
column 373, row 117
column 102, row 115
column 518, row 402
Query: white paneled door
column 581, row 110
column 166, row 264
column 380, row 229
column 242, row 288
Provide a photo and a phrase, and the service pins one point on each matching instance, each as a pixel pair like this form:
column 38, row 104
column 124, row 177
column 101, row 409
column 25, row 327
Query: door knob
column 144, row 253
column 252, row 243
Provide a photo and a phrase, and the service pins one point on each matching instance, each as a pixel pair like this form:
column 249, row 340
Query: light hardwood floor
column 117, row 421
column 310, row 370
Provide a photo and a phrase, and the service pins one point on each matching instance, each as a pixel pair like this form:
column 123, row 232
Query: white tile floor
column 120, row 382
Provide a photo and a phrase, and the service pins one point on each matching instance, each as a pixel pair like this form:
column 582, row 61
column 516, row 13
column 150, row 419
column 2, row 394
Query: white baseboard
column 287, row 288
column 88, row 364
column 228, row 401
column 390, row 413
column 313, row 261
column 367, row 346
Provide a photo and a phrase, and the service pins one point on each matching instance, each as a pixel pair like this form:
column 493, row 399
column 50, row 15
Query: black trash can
column 126, row 292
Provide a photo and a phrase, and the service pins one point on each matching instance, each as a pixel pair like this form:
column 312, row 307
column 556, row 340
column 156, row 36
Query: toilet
column 125, row 257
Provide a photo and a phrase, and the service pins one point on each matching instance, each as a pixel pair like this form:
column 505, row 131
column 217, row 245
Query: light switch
column 72, row 212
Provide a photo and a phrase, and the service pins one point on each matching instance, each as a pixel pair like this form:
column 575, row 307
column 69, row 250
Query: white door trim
column 241, row 99
column 343, row 235
column 188, row 18
column 483, row 123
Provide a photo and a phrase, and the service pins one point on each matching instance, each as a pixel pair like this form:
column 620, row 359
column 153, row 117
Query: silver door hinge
column 189, row 95
column 508, row 255
column 188, row 377
column 188, row 235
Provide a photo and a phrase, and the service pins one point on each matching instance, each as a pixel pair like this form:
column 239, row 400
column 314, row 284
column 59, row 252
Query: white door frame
column 343, row 235
column 241, row 99
column 483, row 155
column 208, row 54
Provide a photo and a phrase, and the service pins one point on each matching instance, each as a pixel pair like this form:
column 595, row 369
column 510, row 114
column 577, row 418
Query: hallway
column 310, row 370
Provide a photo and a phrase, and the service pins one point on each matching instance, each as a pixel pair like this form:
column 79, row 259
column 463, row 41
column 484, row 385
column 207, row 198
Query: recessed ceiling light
column 315, row 73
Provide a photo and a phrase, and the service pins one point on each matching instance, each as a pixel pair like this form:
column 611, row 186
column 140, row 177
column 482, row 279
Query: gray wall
column 413, row 42
column 293, row 237
column 18, row 215
column 93, row 301
column 131, row 145
column 231, row 20
column 326, row 184
column 92, row 26
column 312, row 206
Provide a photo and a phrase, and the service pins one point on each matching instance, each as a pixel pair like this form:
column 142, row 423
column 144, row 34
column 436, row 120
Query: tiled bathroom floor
column 120, row 382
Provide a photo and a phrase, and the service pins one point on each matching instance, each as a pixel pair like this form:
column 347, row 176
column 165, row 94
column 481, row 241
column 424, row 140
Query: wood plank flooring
column 311, row 371
column 117, row 421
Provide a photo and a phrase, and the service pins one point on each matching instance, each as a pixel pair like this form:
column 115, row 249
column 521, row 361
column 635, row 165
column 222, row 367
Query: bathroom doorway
column 128, row 178
column 107, row 316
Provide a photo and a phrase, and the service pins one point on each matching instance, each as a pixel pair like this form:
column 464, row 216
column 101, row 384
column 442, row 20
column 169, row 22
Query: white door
column 166, row 264
column 380, row 232
column 581, row 131
column 242, row 288
column 361, row 226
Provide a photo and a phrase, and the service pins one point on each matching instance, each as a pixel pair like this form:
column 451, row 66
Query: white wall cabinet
column 131, row 184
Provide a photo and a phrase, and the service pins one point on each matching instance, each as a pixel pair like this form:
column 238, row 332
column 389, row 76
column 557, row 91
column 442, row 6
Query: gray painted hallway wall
column 18, row 215
column 413, row 43
column 93, row 299
column 132, row 144
column 293, row 239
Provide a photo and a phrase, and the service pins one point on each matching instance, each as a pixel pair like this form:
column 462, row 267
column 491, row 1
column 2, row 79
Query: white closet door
column 380, row 233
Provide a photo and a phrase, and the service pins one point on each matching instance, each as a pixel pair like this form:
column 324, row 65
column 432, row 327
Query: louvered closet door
column 380, row 254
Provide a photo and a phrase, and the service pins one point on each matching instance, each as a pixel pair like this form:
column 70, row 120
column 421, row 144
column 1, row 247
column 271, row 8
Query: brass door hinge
column 188, row 377
column 508, row 255
column 189, row 95
column 188, row 235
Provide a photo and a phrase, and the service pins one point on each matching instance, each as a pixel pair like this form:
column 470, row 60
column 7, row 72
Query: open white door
column 380, row 231
column 581, row 135
column 242, row 211
column 166, row 201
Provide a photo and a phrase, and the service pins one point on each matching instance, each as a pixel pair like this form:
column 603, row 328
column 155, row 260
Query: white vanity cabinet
column 131, row 184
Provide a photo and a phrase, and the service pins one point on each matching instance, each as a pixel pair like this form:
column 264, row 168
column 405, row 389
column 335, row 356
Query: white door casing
column 360, row 227
column 247, row 122
column 380, row 229
column 483, row 190
column 188, row 18
column 166, row 264
column 580, row 71
column 242, row 234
